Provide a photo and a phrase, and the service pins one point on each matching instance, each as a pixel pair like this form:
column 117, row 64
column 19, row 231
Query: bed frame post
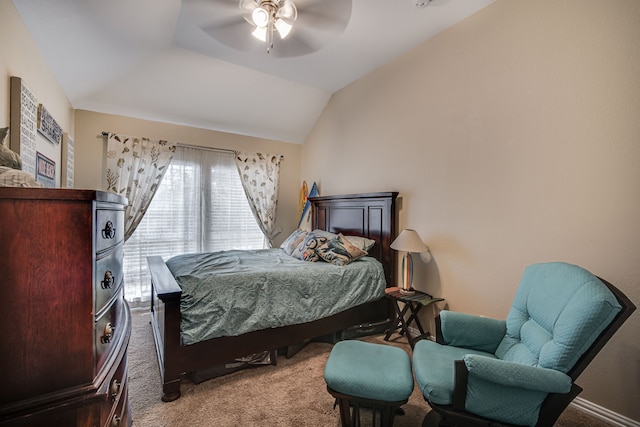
column 165, row 322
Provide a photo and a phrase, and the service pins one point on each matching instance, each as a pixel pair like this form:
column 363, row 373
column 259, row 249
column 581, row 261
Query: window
column 200, row 206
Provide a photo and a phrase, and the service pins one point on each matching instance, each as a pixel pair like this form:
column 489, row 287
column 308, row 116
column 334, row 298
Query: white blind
column 200, row 206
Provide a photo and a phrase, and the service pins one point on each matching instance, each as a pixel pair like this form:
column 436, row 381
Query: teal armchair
column 520, row 371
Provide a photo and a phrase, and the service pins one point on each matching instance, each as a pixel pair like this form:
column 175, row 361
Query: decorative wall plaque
column 48, row 127
column 24, row 119
column 45, row 170
column 67, row 161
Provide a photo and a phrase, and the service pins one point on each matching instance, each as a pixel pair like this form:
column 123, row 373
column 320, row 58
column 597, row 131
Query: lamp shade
column 409, row 241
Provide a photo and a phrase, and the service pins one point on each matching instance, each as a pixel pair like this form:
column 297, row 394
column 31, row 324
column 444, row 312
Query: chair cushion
column 558, row 311
column 371, row 371
column 434, row 369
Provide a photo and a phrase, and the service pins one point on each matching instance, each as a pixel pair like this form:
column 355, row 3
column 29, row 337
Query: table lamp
column 408, row 241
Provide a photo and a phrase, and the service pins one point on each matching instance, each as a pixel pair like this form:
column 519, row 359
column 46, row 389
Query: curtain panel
column 200, row 206
column 260, row 176
column 135, row 167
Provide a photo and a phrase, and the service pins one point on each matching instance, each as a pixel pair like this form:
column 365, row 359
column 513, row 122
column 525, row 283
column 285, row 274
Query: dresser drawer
column 108, row 276
column 109, row 228
column 121, row 416
column 107, row 332
column 117, row 396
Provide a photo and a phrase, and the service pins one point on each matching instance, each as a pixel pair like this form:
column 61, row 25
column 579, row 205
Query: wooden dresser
column 65, row 323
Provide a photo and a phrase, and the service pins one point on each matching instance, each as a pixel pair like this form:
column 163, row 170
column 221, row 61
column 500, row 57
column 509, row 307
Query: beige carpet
column 293, row 393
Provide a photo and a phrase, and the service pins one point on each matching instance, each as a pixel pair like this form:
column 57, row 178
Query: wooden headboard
column 371, row 215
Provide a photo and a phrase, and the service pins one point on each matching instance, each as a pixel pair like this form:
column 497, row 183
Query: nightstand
column 412, row 304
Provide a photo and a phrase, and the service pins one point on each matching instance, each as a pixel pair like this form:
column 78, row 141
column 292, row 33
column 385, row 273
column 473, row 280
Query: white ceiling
column 151, row 59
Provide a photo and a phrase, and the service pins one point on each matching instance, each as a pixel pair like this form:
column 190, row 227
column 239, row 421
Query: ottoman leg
column 351, row 418
column 345, row 419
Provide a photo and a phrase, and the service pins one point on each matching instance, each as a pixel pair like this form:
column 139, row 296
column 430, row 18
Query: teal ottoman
column 365, row 375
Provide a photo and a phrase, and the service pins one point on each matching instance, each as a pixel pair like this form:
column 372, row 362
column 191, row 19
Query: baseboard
column 603, row 413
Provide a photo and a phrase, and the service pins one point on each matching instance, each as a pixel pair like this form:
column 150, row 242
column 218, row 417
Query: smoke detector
column 421, row 4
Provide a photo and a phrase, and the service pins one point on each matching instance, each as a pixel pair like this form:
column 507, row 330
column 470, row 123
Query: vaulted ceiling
column 176, row 61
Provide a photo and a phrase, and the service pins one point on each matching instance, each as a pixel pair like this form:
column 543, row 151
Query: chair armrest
column 513, row 374
column 505, row 391
column 469, row 331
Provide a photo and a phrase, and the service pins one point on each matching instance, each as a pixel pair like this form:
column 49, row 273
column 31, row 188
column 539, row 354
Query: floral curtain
column 260, row 175
column 135, row 167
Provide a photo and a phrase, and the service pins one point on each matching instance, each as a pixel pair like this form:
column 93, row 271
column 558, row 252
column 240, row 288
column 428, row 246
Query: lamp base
column 407, row 291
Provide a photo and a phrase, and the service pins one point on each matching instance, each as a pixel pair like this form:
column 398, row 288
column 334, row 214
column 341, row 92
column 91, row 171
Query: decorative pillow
column 16, row 178
column 322, row 233
column 306, row 250
column 294, row 239
column 8, row 157
column 340, row 251
column 361, row 242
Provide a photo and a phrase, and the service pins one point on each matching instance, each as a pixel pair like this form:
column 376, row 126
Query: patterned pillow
column 361, row 242
column 322, row 233
column 306, row 250
column 294, row 239
column 16, row 178
column 340, row 251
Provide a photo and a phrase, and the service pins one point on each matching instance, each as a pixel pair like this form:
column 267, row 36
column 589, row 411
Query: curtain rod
column 197, row 147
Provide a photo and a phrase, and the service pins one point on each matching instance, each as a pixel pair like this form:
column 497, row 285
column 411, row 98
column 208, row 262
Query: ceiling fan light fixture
column 269, row 16
column 260, row 33
column 260, row 16
column 283, row 28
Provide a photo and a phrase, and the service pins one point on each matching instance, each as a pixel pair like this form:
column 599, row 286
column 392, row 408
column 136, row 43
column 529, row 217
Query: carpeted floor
column 293, row 393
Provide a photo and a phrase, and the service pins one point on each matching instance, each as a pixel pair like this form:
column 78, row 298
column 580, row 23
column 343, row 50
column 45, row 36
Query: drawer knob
column 115, row 389
column 115, row 422
column 108, row 333
column 109, row 231
column 108, row 280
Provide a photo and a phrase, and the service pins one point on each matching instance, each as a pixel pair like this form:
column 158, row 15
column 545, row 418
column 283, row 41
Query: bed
column 370, row 215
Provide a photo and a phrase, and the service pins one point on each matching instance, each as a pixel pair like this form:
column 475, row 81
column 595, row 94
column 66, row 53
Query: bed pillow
column 306, row 250
column 361, row 242
column 322, row 233
column 294, row 239
column 16, row 178
column 8, row 157
column 340, row 251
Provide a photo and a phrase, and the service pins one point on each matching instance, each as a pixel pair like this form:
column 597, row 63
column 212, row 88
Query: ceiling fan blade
column 213, row 7
column 287, row 12
column 325, row 15
column 233, row 32
column 248, row 5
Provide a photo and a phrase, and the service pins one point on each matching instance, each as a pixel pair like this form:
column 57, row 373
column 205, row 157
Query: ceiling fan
column 288, row 27
column 269, row 17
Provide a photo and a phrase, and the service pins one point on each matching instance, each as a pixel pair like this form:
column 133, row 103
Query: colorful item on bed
column 340, row 251
column 307, row 249
column 230, row 293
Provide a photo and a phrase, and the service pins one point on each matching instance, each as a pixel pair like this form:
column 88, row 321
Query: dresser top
column 60, row 194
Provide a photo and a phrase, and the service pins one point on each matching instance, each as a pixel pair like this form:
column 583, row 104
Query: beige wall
column 20, row 57
column 513, row 138
column 90, row 152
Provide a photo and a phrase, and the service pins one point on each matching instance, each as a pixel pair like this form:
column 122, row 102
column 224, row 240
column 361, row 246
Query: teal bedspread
column 230, row 293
